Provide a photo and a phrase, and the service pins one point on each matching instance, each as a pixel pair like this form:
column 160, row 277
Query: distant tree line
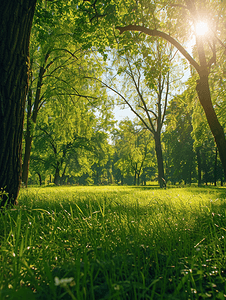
column 126, row 154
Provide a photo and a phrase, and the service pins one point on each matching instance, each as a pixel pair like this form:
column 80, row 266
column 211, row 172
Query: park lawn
column 114, row 243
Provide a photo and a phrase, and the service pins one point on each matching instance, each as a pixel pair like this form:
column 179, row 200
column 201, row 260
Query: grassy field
column 114, row 243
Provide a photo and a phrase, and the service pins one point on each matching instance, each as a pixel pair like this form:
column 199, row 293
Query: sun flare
column 201, row 28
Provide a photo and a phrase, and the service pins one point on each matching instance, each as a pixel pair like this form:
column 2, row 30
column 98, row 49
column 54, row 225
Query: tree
column 56, row 156
column 56, row 60
column 133, row 147
column 102, row 166
column 15, row 23
column 69, row 138
column 206, row 50
column 146, row 79
column 209, row 168
column 178, row 141
column 57, row 76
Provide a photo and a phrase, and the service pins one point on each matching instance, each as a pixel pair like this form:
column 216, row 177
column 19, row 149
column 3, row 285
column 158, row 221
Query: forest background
column 86, row 57
column 70, row 125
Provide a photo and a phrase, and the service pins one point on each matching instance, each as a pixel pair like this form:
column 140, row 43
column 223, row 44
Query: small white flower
column 57, row 281
column 63, row 281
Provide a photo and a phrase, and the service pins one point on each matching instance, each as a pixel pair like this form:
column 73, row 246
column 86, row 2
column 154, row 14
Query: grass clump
column 114, row 243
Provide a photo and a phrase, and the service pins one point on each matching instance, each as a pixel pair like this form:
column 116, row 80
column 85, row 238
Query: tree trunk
column 135, row 178
column 158, row 151
column 28, row 139
column 26, row 160
column 63, row 177
column 39, row 178
column 215, row 127
column 15, row 23
column 144, row 180
column 57, row 175
column 189, row 174
column 97, row 178
column 204, row 168
column 32, row 117
column 199, row 166
column 215, row 168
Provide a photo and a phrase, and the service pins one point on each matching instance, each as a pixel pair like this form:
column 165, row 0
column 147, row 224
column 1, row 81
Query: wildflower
column 63, row 281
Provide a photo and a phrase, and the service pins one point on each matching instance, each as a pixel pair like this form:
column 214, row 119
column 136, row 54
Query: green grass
column 114, row 243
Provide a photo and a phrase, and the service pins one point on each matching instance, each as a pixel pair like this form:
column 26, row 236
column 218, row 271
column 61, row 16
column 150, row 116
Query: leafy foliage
column 133, row 150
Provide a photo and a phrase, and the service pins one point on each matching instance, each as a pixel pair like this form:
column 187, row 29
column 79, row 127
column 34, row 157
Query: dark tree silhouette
column 15, row 23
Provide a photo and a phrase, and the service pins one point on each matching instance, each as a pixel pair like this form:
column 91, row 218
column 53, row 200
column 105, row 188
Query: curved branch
column 171, row 40
column 68, row 51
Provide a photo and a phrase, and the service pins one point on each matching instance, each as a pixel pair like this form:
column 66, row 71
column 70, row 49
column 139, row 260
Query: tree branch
column 214, row 57
column 126, row 101
column 166, row 100
column 149, row 110
column 171, row 40
column 141, row 97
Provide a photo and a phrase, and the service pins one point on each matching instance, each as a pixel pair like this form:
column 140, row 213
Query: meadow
column 114, row 243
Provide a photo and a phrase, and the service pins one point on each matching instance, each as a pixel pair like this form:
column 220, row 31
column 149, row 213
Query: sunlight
column 201, row 28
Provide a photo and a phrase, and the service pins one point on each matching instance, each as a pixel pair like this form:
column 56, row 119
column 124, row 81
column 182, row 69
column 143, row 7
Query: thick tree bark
column 15, row 23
